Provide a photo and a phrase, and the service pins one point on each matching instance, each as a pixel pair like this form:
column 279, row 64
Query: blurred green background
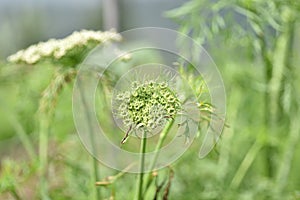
column 255, row 45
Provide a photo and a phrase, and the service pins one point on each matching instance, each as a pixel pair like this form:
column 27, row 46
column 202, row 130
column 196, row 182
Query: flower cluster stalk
column 142, row 166
column 162, row 138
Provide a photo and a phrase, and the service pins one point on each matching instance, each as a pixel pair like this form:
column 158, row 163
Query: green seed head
column 147, row 105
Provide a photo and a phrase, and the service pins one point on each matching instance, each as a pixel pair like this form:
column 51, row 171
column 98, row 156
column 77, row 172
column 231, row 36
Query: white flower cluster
column 58, row 48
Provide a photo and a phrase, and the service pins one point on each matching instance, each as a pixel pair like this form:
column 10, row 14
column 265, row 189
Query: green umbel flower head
column 147, row 105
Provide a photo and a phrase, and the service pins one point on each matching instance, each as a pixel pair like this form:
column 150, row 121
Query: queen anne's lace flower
column 147, row 105
column 60, row 48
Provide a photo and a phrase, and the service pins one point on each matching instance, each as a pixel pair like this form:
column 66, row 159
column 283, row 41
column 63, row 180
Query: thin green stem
column 43, row 156
column 287, row 160
column 142, row 166
column 268, row 151
column 227, row 138
column 46, row 112
column 162, row 138
column 94, row 163
column 280, row 59
column 95, row 177
column 24, row 138
column 112, row 179
column 246, row 163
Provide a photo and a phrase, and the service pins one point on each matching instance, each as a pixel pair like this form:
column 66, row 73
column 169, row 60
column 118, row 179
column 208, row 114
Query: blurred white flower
column 59, row 48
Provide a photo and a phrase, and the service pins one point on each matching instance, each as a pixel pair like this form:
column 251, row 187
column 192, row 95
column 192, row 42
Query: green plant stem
column 95, row 177
column 43, row 155
column 290, row 149
column 284, row 170
column 46, row 112
column 245, row 165
column 94, row 162
column 276, row 65
column 268, row 151
column 112, row 179
column 24, row 138
column 228, row 137
column 142, row 166
column 162, row 138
